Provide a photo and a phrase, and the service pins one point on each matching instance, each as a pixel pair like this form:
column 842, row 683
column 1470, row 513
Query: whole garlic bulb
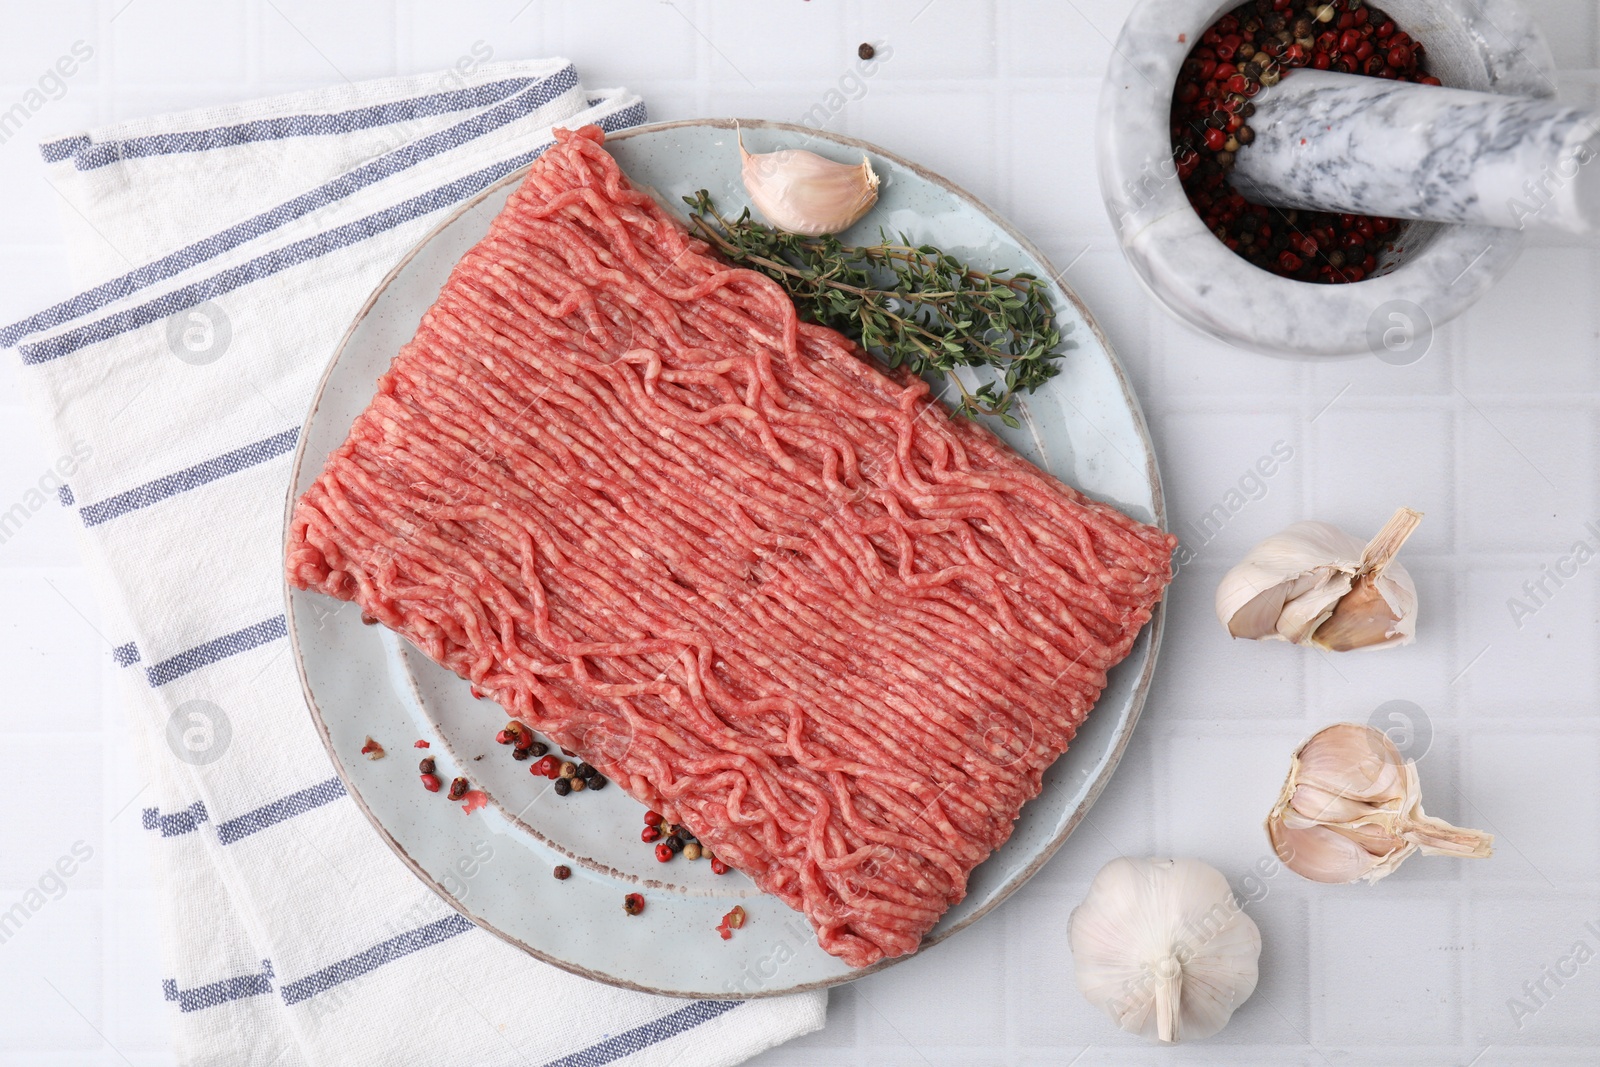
column 1162, row 947
column 805, row 193
column 1314, row 582
column 1351, row 809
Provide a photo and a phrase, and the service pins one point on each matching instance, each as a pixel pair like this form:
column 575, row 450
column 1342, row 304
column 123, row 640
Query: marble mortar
column 1440, row 269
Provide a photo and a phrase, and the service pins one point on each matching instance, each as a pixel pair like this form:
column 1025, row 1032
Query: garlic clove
column 1353, row 761
column 1351, row 809
column 1320, row 854
column 1311, row 806
column 1314, row 583
column 805, row 193
column 1162, row 947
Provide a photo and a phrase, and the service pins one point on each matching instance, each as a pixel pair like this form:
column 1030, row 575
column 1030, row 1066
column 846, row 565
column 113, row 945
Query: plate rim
column 1141, row 686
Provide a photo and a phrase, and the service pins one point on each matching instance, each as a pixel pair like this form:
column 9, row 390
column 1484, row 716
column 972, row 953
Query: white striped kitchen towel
column 239, row 242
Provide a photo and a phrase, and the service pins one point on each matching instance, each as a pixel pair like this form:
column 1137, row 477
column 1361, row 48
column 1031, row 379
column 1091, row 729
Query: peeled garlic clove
column 805, row 193
column 1351, row 809
column 1162, row 947
column 1315, row 583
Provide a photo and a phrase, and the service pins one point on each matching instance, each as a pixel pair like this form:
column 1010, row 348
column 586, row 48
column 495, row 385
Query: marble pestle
column 1369, row 146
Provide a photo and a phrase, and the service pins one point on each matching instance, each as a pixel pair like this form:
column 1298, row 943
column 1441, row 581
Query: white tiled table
column 1492, row 434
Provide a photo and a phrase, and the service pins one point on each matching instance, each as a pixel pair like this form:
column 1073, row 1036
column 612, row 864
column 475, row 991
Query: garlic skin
column 804, row 193
column 1162, row 947
column 1351, row 809
column 1314, row 583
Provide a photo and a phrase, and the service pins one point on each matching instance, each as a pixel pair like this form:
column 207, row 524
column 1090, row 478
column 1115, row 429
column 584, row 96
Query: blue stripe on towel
column 384, row 166
column 178, row 823
column 126, row 655
column 87, row 155
column 218, row 648
column 283, row 808
column 214, row 993
column 56, row 151
column 149, row 493
column 640, row 1037
column 373, row 958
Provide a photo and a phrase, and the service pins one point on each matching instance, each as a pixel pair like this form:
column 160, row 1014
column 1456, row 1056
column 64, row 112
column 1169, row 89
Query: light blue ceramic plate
column 495, row 865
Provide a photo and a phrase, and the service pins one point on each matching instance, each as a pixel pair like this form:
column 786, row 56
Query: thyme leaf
column 910, row 306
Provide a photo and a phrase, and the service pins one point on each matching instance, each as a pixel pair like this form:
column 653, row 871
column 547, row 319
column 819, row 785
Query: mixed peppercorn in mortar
column 1255, row 45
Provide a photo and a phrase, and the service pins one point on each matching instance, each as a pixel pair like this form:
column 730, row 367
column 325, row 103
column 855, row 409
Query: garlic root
column 1351, row 809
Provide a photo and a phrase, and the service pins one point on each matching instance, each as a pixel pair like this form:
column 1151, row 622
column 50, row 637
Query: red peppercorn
column 663, row 852
column 546, row 766
column 633, row 903
column 1215, row 139
column 1320, row 61
column 1289, row 261
column 718, row 867
column 649, row 834
column 1349, row 40
column 431, row 783
column 1364, row 51
column 653, row 818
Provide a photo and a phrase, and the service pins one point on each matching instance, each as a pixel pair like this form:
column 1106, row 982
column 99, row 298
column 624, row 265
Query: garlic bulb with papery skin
column 1162, row 947
column 1315, row 583
column 1351, row 809
column 804, row 193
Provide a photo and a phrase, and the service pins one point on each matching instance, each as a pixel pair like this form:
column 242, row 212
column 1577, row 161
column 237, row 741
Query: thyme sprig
column 909, row 305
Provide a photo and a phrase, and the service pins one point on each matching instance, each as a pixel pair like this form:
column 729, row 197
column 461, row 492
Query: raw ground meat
column 773, row 593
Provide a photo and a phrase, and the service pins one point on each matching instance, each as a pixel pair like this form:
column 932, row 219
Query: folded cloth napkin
column 239, row 243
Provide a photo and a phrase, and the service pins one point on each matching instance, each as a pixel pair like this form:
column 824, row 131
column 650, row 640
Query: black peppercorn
column 426, row 766
column 562, row 872
column 458, row 788
column 563, row 786
column 597, row 782
column 866, row 51
column 521, row 753
column 675, row 843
